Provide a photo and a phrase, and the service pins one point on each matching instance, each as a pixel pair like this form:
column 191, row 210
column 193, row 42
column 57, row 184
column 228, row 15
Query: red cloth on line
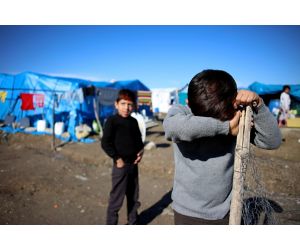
column 27, row 101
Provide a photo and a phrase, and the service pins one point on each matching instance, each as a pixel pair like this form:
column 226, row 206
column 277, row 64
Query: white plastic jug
column 41, row 125
column 59, row 128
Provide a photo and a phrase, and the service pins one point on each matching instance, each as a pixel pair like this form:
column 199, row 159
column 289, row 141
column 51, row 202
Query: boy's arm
column 181, row 125
column 107, row 140
column 265, row 133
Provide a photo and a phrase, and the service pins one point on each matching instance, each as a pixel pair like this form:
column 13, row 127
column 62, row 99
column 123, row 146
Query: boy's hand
column 234, row 123
column 246, row 97
column 139, row 156
column 120, row 163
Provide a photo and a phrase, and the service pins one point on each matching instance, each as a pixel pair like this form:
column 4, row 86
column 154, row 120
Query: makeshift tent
column 182, row 95
column 36, row 96
column 271, row 94
column 163, row 99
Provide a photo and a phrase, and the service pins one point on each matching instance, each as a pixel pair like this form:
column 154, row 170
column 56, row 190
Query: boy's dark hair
column 286, row 87
column 126, row 94
column 211, row 93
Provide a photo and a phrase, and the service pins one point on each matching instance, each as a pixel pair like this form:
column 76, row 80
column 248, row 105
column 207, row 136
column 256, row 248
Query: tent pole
column 97, row 119
column 53, row 122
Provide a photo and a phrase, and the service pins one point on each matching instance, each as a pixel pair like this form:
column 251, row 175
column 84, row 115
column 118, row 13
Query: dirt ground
column 70, row 186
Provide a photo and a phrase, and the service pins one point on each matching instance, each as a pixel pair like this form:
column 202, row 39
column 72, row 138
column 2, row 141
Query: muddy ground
column 70, row 186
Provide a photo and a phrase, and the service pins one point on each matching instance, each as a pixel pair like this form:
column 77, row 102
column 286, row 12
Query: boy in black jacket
column 122, row 141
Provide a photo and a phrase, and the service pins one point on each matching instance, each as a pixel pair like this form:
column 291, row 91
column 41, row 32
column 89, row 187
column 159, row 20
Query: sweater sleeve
column 266, row 133
column 181, row 125
column 107, row 141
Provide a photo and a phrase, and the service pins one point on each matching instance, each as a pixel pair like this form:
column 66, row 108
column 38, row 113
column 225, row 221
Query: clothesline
column 42, row 90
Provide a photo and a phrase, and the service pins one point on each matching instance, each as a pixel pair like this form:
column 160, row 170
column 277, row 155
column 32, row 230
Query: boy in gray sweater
column 204, row 140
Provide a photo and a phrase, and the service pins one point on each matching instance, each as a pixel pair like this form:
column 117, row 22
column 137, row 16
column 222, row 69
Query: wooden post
column 53, row 122
column 97, row 119
column 240, row 162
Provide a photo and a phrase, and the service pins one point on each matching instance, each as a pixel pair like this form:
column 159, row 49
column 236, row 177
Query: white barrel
column 59, row 128
column 41, row 125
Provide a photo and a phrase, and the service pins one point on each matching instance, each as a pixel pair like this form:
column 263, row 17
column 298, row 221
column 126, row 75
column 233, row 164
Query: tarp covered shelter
column 272, row 89
column 271, row 92
column 163, row 99
column 35, row 96
column 182, row 95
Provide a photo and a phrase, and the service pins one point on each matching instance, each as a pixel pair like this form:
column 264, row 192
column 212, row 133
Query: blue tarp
column 182, row 97
column 134, row 85
column 272, row 89
column 65, row 92
column 271, row 94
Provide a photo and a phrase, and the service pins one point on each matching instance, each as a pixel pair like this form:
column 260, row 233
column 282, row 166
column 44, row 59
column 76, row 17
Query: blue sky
column 159, row 56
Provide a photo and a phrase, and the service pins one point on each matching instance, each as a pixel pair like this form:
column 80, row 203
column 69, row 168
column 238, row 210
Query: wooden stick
column 97, row 119
column 240, row 164
column 53, row 123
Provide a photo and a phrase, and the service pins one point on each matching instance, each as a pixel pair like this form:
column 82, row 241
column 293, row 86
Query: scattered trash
column 55, row 206
column 30, row 129
column 168, row 211
column 80, row 177
column 150, row 145
column 58, row 148
column 48, row 130
column 65, row 135
column 82, row 131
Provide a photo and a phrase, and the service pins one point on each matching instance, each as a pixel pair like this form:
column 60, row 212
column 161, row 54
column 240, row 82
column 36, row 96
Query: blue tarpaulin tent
column 272, row 89
column 72, row 103
column 271, row 94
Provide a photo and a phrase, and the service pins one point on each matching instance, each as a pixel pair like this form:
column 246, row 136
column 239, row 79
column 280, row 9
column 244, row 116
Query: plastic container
column 274, row 103
column 59, row 128
column 41, row 125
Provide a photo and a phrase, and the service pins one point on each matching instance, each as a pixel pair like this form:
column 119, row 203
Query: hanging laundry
column 27, row 101
column 3, row 95
column 38, row 100
column 73, row 95
column 78, row 95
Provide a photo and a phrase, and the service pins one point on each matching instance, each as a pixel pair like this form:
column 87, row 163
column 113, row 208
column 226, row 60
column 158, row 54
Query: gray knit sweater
column 204, row 157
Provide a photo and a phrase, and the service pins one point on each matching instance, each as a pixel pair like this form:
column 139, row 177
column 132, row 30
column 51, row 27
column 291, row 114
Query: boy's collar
column 123, row 116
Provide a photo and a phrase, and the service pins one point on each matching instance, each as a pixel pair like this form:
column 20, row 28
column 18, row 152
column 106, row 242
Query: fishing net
column 257, row 209
column 249, row 205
